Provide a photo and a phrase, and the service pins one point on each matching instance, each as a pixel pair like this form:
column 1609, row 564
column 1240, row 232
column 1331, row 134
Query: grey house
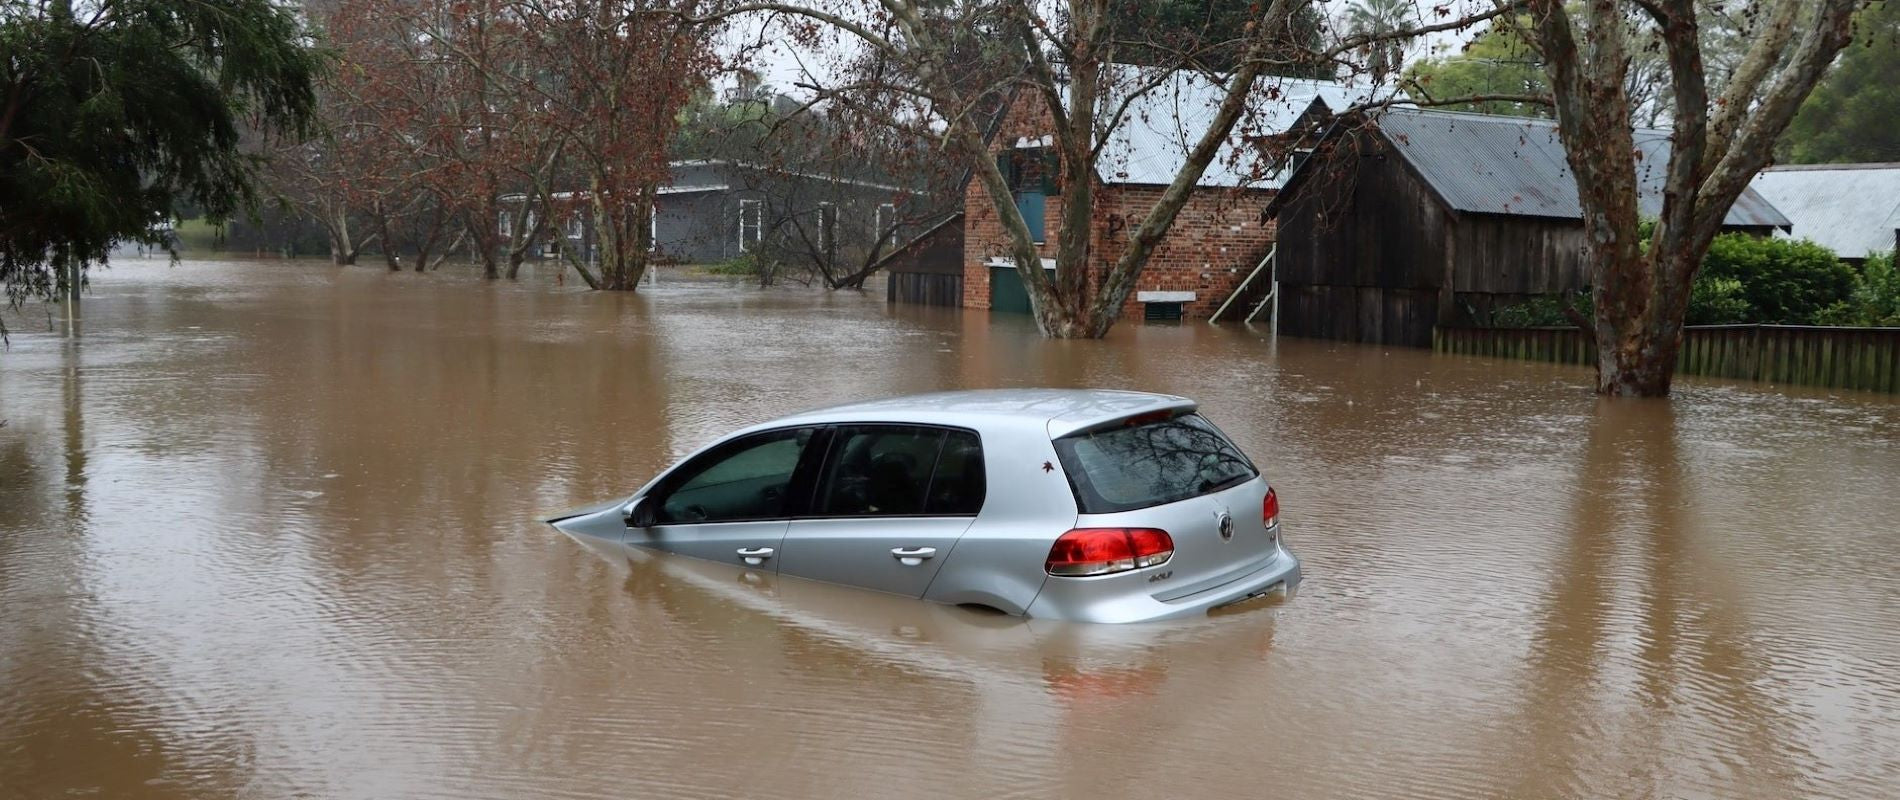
column 716, row 210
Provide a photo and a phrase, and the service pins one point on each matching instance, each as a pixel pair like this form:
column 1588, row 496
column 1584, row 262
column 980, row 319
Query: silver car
column 1097, row 506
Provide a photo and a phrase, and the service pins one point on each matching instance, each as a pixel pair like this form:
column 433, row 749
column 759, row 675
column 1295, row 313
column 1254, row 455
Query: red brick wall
column 1215, row 241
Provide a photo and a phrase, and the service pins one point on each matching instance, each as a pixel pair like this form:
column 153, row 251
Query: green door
column 1007, row 295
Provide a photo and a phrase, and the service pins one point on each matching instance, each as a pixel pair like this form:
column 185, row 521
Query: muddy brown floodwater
column 271, row 531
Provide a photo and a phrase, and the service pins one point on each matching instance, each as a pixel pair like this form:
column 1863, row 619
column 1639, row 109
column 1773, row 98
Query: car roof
column 1063, row 411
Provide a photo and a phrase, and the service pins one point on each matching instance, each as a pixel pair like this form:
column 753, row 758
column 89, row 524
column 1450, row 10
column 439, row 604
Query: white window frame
column 507, row 222
column 827, row 221
column 878, row 219
column 653, row 228
column 757, row 208
column 576, row 229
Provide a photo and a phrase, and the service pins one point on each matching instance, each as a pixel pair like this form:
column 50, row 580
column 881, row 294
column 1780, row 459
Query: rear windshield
column 1149, row 463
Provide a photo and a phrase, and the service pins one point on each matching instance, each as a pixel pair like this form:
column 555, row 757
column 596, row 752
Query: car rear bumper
column 1085, row 600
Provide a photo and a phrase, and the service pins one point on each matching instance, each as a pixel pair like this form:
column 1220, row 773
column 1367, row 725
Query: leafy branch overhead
column 116, row 114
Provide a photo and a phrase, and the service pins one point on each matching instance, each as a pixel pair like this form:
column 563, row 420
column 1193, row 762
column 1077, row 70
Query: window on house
column 507, row 223
column 751, row 224
column 575, row 229
column 1032, row 169
column 1031, row 173
column 653, row 228
column 886, row 218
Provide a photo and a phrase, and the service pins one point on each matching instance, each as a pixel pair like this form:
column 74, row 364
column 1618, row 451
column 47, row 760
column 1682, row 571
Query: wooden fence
column 1847, row 358
column 924, row 288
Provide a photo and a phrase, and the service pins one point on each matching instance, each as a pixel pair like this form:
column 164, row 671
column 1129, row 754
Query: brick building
column 1216, row 240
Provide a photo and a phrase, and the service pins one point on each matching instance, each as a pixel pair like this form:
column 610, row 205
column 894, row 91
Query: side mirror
column 637, row 513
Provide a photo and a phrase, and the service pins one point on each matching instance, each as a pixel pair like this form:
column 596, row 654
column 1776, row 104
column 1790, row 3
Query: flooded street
column 272, row 530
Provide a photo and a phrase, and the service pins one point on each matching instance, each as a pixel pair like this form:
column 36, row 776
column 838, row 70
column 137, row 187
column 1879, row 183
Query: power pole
column 73, row 274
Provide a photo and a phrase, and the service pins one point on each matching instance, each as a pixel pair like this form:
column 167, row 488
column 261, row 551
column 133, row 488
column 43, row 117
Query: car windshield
column 1151, row 462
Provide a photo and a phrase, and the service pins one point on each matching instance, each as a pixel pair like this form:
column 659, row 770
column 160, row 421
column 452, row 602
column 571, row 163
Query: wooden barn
column 1407, row 219
column 929, row 269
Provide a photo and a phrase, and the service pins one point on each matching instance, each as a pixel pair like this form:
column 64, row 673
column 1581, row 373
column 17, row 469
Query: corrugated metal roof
column 1851, row 209
column 1161, row 125
column 1486, row 164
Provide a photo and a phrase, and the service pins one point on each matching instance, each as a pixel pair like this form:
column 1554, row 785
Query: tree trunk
column 342, row 250
column 390, row 258
column 483, row 245
column 426, row 247
column 623, row 234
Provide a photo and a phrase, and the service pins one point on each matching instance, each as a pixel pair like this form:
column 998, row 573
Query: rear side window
column 957, row 487
column 1150, row 463
column 900, row 470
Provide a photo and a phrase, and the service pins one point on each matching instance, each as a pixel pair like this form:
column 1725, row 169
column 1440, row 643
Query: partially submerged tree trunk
column 391, row 258
column 336, row 225
column 1718, row 145
column 623, row 234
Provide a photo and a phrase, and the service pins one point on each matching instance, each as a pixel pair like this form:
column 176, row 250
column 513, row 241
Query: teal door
column 1007, row 295
column 1034, row 208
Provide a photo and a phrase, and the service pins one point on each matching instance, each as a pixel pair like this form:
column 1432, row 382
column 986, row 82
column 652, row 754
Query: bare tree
column 612, row 79
column 1719, row 142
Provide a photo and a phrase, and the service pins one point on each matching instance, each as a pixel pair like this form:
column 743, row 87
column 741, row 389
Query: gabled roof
column 1160, row 126
column 1516, row 166
column 1851, row 209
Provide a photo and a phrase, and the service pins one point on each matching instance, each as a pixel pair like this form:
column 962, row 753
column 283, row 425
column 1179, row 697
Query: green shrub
column 745, row 265
column 1782, row 281
column 1750, row 279
column 1876, row 297
column 1716, row 301
column 1543, row 312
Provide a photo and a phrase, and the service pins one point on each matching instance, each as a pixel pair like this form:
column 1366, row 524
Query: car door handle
column 754, row 556
column 912, row 556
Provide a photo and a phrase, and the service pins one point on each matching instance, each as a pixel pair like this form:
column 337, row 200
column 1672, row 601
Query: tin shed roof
column 1852, row 209
column 1161, row 124
column 1486, row 164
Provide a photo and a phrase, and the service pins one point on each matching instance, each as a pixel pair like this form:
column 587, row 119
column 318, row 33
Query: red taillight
column 1100, row 551
column 1270, row 509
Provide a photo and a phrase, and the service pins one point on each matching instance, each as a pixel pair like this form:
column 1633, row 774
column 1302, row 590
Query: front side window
column 747, row 479
column 901, row 470
column 1149, row 462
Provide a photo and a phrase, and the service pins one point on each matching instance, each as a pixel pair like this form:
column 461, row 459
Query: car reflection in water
column 1020, row 667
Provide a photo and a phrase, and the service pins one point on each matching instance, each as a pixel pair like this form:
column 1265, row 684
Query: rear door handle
column 912, row 556
column 754, row 556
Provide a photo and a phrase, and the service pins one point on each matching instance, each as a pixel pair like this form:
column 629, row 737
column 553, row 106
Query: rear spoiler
column 1163, row 407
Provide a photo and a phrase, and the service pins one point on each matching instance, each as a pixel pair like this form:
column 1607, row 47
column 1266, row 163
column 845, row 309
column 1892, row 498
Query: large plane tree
column 1720, row 140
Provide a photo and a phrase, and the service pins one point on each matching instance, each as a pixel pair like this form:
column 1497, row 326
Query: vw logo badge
column 1226, row 527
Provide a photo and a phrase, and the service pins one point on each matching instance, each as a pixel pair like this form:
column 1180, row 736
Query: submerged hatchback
column 1089, row 505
